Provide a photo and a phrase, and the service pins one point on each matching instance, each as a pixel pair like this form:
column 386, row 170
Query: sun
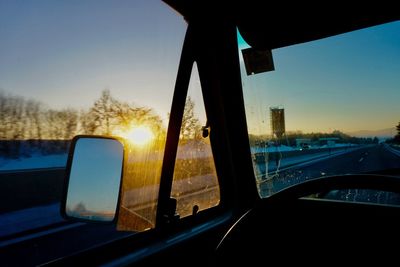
column 139, row 135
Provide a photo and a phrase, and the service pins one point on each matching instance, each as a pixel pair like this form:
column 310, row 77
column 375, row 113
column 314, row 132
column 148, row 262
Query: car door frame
column 212, row 44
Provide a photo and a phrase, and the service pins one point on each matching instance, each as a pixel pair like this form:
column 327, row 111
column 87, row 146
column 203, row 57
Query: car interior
column 302, row 223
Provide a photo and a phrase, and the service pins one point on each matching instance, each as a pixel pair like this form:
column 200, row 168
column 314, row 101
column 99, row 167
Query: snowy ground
column 37, row 161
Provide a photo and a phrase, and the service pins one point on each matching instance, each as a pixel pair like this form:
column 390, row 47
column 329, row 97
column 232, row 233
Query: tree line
column 396, row 138
column 290, row 138
column 26, row 124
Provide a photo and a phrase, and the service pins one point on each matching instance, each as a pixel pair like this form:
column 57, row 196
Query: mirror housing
column 93, row 179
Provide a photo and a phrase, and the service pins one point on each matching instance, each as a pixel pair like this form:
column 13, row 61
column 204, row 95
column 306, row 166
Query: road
column 364, row 160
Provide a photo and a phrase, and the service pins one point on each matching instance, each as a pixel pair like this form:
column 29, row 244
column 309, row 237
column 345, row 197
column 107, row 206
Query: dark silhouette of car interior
column 289, row 226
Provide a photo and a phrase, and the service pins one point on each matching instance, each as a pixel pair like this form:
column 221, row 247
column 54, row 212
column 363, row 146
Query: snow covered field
column 36, row 161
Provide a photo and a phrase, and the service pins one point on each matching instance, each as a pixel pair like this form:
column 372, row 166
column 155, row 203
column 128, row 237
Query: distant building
column 277, row 116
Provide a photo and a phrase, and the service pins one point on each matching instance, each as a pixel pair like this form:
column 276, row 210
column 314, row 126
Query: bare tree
column 3, row 127
column 16, row 125
column 191, row 127
column 102, row 113
column 396, row 139
column 34, row 122
column 13, row 124
column 61, row 125
column 87, row 123
column 22, row 120
column 127, row 115
column 70, row 121
column 398, row 129
column 3, row 116
column 108, row 114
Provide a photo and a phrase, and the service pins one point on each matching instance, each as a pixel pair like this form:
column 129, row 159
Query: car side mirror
column 93, row 179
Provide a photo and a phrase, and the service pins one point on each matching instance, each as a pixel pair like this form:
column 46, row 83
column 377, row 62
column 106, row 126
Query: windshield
column 330, row 107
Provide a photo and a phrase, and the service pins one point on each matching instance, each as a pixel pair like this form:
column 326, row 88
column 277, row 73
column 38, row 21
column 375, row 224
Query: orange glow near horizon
column 137, row 135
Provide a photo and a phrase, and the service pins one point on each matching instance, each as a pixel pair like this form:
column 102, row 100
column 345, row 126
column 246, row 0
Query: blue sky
column 64, row 53
column 347, row 82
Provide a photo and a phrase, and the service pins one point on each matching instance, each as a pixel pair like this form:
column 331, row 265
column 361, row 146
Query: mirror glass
column 95, row 178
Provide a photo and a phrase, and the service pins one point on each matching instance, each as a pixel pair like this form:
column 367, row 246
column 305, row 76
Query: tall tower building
column 277, row 116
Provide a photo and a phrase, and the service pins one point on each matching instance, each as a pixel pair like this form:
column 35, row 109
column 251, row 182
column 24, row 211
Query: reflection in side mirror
column 93, row 181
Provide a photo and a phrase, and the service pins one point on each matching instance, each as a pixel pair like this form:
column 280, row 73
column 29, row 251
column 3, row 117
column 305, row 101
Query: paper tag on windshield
column 257, row 61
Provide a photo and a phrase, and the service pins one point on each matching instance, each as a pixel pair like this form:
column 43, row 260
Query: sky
column 64, row 53
column 348, row 82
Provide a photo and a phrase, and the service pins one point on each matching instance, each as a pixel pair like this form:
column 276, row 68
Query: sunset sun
column 140, row 135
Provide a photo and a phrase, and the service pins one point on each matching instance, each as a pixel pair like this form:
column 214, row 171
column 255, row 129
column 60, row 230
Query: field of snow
column 36, row 161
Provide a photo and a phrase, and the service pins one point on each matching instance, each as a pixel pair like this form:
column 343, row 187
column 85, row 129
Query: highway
column 364, row 160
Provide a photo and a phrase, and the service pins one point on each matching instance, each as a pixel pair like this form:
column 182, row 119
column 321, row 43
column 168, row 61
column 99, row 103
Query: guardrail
column 273, row 156
column 270, row 162
column 394, row 149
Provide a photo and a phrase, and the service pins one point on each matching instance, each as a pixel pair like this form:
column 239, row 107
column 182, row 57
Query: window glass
column 329, row 108
column 195, row 184
column 80, row 67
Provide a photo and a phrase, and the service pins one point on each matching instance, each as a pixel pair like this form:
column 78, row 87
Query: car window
column 195, row 184
column 330, row 107
column 80, row 67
